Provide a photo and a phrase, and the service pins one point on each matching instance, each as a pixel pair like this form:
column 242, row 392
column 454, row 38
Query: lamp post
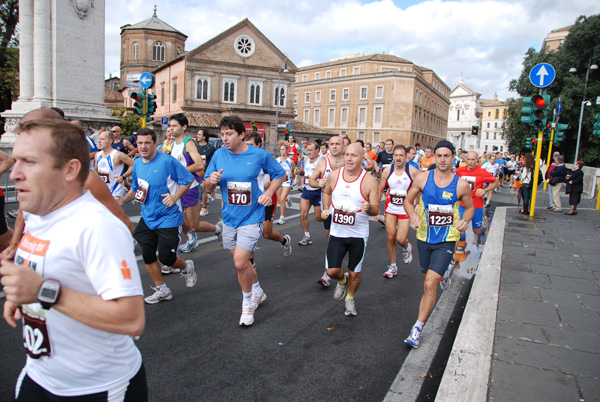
column 584, row 103
column 278, row 97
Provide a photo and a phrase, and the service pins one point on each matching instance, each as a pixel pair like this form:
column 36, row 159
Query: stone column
column 42, row 52
column 25, row 50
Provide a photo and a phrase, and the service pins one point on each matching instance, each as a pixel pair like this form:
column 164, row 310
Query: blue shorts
column 435, row 257
column 477, row 221
column 191, row 197
column 314, row 196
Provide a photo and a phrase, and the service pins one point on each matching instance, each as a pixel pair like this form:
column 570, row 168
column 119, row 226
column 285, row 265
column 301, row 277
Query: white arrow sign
column 146, row 80
column 542, row 73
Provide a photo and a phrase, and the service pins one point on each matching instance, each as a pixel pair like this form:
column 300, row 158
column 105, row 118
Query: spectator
column 575, row 187
column 527, row 182
column 557, row 179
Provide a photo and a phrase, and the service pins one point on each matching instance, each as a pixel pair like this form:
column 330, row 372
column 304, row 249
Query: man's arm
column 415, row 190
column 7, row 162
column 130, row 147
column 9, row 252
column 170, row 199
column 383, row 181
column 369, row 186
column 463, row 192
column 326, row 195
column 101, row 192
column 314, row 180
column 198, row 165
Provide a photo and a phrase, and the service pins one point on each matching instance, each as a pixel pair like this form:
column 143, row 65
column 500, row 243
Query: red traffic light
column 136, row 96
column 533, row 140
column 286, row 132
column 539, row 101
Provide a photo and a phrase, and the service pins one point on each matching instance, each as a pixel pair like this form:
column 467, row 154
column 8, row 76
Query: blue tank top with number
column 438, row 211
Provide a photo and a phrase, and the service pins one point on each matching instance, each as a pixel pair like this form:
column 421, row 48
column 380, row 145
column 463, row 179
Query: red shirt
column 293, row 152
column 476, row 179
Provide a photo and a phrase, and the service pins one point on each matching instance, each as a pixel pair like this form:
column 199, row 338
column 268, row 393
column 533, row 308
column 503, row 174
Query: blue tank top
column 439, row 212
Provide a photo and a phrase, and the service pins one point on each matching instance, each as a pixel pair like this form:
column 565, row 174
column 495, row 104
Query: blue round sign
column 542, row 75
column 147, row 80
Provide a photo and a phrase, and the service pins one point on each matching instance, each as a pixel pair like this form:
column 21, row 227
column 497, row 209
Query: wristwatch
column 48, row 293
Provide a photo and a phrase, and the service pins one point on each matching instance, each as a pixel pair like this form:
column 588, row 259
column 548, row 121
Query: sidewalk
column 531, row 329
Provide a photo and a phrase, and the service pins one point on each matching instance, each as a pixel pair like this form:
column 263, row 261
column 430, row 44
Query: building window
column 363, row 93
column 306, row 115
column 343, row 132
column 489, row 113
column 115, row 85
column 174, row 90
column 202, row 88
column 457, row 114
column 379, row 92
column 134, row 51
column 317, row 96
column 328, row 74
column 346, row 94
column 376, row 138
column 255, row 92
column 296, row 98
column 229, row 90
column 416, row 95
column 356, row 70
column 487, row 136
column 344, row 117
column 306, row 97
column 317, row 76
column 496, row 125
column 279, row 95
column 488, row 125
column 317, row 121
column 331, row 117
column 362, row 117
column 304, row 77
column 494, row 135
column 497, row 113
column 378, row 116
column 361, row 135
column 158, row 51
column 332, row 95
column 162, row 94
column 342, row 72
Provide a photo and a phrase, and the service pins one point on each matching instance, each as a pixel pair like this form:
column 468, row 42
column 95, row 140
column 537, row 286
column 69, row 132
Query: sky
column 483, row 42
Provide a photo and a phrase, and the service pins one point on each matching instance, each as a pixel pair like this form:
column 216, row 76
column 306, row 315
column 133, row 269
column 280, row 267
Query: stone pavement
column 531, row 329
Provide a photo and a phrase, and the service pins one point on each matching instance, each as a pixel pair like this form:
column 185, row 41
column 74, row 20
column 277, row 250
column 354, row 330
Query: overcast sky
column 482, row 41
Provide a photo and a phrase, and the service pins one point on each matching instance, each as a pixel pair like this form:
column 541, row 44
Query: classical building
column 493, row 121
column 464, row 114
column 556, row 38
column 113, row 96
column 373, row 98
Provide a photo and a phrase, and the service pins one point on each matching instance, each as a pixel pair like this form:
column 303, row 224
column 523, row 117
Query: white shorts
column 244, row 236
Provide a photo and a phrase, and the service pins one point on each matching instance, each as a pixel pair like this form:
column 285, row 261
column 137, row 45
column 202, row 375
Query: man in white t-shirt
column 74, row 281
column 493, row 168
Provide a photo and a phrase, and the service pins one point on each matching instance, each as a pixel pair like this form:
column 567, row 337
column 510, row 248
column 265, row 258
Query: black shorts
column 327, row 223
column 337, row 248
column 509, row 172
column 269, row 212
column 165, row 240
column 435, row 257
column 3, row 226
column 137, row 391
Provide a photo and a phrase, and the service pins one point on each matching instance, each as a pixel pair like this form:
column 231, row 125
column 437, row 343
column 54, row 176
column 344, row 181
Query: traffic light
column 287, row 134
column 559, row 132
column 547, row 131
column 151, row 106
column 475, row 130
column 530, row 143
column 596, row 131
column 527, row 110
column 540, row 107
column 138, row 105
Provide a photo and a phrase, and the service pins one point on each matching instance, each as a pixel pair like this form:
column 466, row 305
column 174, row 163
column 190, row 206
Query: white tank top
column 328, row 168
column 177, row 153
column 347, row 219
column 398, row 189
column 309, row 169
column 287, row 166
column 107, row 172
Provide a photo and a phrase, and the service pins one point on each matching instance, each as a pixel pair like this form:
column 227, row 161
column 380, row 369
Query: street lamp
column 584, row 103
column 278, row 97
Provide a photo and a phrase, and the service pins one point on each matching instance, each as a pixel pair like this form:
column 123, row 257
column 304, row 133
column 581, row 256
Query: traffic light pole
column 538, row 157
column 550, row 150
column 145, row 108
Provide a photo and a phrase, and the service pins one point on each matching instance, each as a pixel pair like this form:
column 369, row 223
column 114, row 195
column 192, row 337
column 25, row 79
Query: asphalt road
column 301, row 346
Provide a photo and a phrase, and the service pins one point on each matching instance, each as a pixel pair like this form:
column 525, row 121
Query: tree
column 9, row 55
column 130, row 122
column 580, row 45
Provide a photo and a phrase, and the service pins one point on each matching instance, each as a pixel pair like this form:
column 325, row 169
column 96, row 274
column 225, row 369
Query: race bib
column 35, row 332
column 142, row 191
column 239, row 193
column 104, row 175
column 471, row 180
column 342, row 217
column 397, row 197
column 441, row 215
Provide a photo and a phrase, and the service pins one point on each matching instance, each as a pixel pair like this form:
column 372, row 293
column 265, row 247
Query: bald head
column 472, row 154
column 41, row 113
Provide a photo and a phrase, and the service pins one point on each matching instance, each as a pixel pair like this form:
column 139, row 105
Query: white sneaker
column 350, row 307
column 219, row 231
column 305, row 241
column 287, row 247
column 166, row 270
column 211, row 198
column 446, row 282
column 247, row 317
column 341, row 290
column 391, row 272
column 190, row 277
column 325, row 280
column 407, row 254
column 414, row 338
column 288, row 202
column 258, row 298
column 204, row 212
column 158, row 296
column 281, row 220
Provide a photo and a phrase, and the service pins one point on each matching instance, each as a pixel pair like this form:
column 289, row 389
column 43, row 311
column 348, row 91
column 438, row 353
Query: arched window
column 134, row 51
column 158, row 51
column 497, row 113
column 202, row 89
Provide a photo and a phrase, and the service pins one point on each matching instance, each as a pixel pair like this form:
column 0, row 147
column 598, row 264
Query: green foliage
column 130, row 122
column 581, row 44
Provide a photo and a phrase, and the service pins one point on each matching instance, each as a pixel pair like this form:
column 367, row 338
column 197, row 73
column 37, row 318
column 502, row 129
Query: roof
column 153, row 23
column 491, row 103
column 383, row 57
column 301, row 127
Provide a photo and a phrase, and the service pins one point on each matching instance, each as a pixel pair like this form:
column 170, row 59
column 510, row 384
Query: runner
column 385, row 158
column 350, row 196
column 493, row 168
column 427, row 160
column 290, row 178
column 397, row 179
column 159, row 181
column 243, row 204
column 75, row 283
column 438, row 224
column 110, row 165
column 311, row 196
column 121, row 144
column 334, row 161
column 206, row 151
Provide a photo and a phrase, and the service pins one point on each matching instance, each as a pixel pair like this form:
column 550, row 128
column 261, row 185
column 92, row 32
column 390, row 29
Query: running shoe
column 350, row 307
column 414, row 337
column 247, row 317
column 407, row 254
column 211, row 198
column 281, row 220
column 13, row 214
column 341, row 290
column 288, row 202
column 446, row 282
column 391, row 272
column 325, row 280
column 380, row 220
column 287, row 247
column 166, row 270
column 204, row 212
column 192, row 239
column 190, row 277
column 219, row 231
column 305, row 241
column 158, row 296
column 186, row 248
column 258, row 298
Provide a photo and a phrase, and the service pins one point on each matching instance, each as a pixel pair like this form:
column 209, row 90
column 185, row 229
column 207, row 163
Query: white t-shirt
column 86, row 248
column 492, row 168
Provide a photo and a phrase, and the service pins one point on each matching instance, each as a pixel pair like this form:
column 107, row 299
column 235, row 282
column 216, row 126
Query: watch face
column 48, row 294
column 49, row 291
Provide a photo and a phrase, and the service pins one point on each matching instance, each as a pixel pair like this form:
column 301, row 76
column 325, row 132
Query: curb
column 468, row 370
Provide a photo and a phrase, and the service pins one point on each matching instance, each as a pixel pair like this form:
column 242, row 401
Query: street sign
column 133, row 81
column 147, row 80
column 164, row 122
column 559, row 106
column 542, row 75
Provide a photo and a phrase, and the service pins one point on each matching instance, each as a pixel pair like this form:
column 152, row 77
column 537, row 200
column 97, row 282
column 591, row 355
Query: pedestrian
column 547, row 177
column 575, row 187
column 557, row 179
column 526, row 179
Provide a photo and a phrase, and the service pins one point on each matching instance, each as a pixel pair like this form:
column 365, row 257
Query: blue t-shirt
column 240, row 174
column 163, row 174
